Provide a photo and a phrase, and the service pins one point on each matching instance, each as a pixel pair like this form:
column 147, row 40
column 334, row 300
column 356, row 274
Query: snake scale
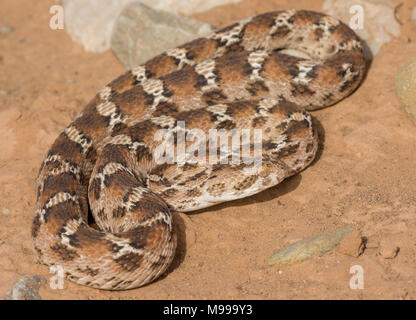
column 103, row 164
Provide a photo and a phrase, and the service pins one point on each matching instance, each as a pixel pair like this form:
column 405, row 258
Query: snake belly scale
column 236, row 78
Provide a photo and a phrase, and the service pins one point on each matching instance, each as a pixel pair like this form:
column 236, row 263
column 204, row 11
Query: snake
column 157, row 140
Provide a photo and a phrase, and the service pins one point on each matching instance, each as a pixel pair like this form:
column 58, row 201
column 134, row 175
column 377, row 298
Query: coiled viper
column 237, row 78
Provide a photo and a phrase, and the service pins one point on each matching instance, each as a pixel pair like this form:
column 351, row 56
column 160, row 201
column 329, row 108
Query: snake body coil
column 235, row 79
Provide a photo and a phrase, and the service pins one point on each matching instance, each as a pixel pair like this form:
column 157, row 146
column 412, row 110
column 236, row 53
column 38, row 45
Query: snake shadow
column 273, row 193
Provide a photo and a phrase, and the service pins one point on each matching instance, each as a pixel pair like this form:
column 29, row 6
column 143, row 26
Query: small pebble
column 372, row 243
column 403, row 293
column 387, row 249
column 352, row 244
column 5, row 211
column 5, row 29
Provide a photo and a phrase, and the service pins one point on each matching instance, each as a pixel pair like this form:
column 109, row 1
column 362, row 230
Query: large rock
column 27, row 288
column 379, row 23
column 141, row 33
column 186, row 7
column 90, row 22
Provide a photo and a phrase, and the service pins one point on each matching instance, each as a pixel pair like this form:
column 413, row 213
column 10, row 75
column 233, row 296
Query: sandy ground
column 364, row 176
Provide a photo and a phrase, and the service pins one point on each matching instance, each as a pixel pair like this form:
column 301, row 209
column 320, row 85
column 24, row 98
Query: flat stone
column 313, row 246
column 141, row 33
